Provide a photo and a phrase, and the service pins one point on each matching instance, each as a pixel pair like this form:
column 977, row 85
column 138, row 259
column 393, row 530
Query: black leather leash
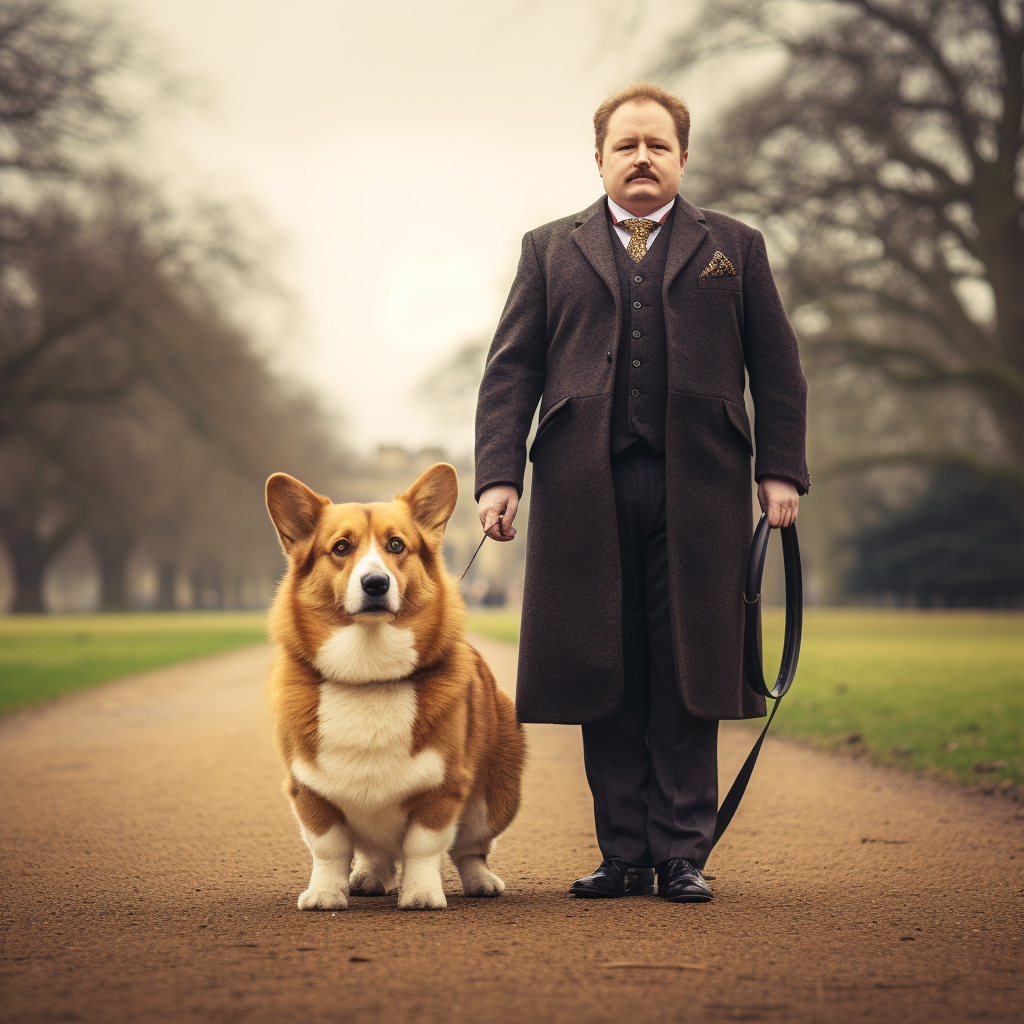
column 753, row 659
column 478, row 547
column 753, row 671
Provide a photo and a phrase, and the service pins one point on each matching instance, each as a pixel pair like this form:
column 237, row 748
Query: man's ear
column 432, row 498
column 294, row 509
column 597, row 157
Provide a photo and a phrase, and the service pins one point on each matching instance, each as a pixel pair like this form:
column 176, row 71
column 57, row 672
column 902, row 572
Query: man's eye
column 342, row 547
column 395, row 545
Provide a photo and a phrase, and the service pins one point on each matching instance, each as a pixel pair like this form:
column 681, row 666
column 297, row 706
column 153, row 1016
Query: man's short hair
column 641, row 91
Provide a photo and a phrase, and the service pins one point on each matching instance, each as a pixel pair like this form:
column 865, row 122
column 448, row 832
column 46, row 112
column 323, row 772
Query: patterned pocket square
column 719, row 266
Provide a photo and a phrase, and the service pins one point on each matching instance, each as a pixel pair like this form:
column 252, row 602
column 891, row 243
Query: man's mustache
column 643, row 173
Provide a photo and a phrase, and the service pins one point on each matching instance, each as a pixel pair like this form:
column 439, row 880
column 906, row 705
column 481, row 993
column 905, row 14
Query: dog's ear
column 432, row 498
column 294, row 509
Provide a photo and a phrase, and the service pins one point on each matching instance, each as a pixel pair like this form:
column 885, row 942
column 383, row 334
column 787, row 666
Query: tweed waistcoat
column 640, row 395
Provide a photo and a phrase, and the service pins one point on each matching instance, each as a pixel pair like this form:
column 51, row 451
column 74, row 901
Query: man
column 633, row 323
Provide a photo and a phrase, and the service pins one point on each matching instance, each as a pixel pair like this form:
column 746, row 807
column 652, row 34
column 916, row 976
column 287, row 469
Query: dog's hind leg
column 373, row 874
column 472, row 845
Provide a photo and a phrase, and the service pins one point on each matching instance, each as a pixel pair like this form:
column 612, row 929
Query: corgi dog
column 398, row 744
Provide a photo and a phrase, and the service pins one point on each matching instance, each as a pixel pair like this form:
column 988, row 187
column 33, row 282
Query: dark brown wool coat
column 561, row 319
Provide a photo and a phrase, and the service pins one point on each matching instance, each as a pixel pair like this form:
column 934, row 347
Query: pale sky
column 399, row 151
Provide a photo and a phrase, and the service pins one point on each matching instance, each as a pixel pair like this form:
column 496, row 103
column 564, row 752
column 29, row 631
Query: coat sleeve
column 513, row 378
column 777, row 382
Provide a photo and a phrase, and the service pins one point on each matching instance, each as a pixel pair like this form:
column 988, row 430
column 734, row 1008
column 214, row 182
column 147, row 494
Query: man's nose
column 643, row 156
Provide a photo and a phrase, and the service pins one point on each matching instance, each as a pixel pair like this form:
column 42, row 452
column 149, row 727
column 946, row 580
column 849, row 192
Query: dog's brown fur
column 461, row 718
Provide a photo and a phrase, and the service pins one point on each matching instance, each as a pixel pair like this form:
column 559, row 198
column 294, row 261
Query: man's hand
column 779, row 498
column 503, row 501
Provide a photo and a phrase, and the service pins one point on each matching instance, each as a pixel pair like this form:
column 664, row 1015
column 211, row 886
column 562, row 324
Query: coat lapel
column 594, row 241
column 592, row 237
column 688, row 232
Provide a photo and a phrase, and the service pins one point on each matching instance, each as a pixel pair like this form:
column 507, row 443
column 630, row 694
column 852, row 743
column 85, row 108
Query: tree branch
column 931, row 372
column 22, row 360
column 913, row 32
column 1008, row 476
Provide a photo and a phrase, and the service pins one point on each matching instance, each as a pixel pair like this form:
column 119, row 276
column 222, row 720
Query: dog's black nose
column 375, row 584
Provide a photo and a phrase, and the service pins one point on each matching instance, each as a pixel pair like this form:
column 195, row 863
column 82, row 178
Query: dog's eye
column 342, row 547
column 395, row 545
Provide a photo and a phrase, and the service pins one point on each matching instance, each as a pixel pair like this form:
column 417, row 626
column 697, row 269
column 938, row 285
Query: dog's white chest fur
column 367, row 652
column 364, row 764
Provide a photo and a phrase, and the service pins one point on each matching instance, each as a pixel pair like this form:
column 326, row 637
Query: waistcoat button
column 636, row 362
column 636, row 305
column 636, row 334
column 634, row 392
column 638, row 279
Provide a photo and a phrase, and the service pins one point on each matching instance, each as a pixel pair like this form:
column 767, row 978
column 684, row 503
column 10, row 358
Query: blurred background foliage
column 883, row 157
column 879, row 144
column 885, row 162
column 136, row 408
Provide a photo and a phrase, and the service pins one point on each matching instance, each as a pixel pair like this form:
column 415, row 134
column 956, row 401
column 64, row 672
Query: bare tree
column 886, row 160
column 134, row 404
column 62, row 94
column 132, row 393
column 40, row 513
column 450, row 390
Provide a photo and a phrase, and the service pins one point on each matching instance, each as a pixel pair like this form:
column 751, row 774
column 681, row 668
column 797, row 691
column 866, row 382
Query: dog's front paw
column 484, row 883
column 421, row 897
column 332, row 897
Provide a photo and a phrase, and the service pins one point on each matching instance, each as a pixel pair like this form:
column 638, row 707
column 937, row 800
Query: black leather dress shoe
column 615, row 877
column 680, row 881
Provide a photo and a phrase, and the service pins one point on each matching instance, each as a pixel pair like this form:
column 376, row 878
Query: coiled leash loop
column 753, row 658
column 753, row 671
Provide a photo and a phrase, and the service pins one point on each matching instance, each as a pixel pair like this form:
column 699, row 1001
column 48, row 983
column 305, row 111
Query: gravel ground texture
column 150, row 867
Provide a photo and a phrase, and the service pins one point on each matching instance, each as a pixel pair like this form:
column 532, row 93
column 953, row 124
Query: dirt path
column 150, row 868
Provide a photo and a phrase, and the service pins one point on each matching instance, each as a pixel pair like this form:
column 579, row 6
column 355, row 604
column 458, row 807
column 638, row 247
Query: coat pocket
column 737, row 416
column 721, row 284
column 546, row 420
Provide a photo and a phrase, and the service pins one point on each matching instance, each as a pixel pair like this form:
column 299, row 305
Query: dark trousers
column 652, row 768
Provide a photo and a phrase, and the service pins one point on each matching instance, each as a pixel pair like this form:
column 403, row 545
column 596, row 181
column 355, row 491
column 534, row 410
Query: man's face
column 641, row 163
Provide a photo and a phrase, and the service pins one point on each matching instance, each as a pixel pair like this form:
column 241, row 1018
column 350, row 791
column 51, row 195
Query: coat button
column 638, row 279
column 636, row 305
column 636, row 362
column 636, row 334
column 608, row 356
column 635, row 393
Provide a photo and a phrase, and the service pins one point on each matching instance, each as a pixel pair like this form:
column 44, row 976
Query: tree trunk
column 113, row 551
column 29, row 557
column 29, row 562
column 166, row 592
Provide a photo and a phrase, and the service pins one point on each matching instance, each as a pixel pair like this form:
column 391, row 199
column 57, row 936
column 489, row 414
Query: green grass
column 44, row 656
column 936, row 691
column 497, row 623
